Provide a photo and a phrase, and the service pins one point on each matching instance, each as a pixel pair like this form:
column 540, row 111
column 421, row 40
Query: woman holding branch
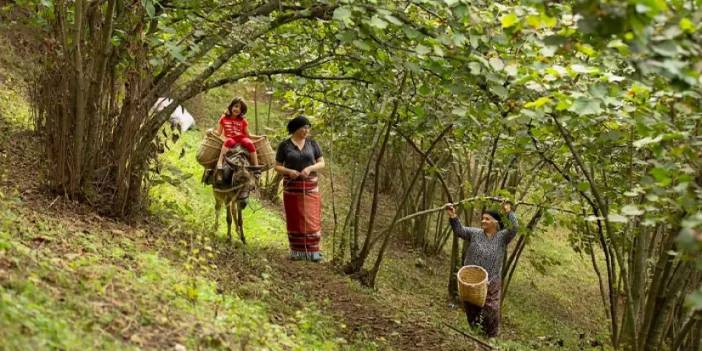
column 488, row 245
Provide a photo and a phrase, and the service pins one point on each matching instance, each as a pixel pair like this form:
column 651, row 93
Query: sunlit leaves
column 686, row 25
column 509, row 20
column 538, row 103
column 541, row 21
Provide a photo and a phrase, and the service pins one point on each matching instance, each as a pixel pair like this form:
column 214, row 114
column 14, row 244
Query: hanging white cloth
column 180, row 117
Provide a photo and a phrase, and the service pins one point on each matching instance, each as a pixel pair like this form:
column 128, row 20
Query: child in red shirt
column 233, row 129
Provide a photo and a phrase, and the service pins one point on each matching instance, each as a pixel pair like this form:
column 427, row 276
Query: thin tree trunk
column 389, row 231
column 79, row 104
column 359, row 197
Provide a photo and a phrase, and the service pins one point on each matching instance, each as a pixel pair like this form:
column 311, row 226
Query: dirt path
column 358, row 310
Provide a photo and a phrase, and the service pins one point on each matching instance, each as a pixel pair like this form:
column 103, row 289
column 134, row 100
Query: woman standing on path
column 487, row 248
column 298, row 159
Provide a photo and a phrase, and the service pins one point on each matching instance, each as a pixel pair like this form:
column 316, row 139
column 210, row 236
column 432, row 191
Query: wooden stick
column 482, row 343
column 478, row 198
column 436, row 209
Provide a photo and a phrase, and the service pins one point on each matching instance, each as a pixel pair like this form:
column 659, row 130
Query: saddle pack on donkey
column 235, row 174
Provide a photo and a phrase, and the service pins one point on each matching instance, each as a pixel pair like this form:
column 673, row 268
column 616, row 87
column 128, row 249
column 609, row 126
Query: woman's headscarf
column 497, row 216
column 297, row 123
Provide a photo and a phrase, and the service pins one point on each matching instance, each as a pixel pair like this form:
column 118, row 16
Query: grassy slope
column 72, row 280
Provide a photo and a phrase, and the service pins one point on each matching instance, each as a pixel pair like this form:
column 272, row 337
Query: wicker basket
column 266, row 156
column 208, row 153
column 472, row 285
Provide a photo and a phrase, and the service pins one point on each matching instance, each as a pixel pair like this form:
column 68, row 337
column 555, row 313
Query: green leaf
column 150, row 9
column 646, row 141
column 538, row 103
column 533, row 21
column 585, row 107
column 547, row 21
column 346, row 36
column 662, row 176
column 424, row 89
column 361, row 45
column 377, row 22
column 459, row 39
column 583, row 186
column 175, row 51
column 694, row 300
column 475, row 68
column 578, row 68
column 686, row 25
column 496, row 63
column 667, row 48
column 509, row 20
column 563, row 103
column 421, row 49
column 342, row 14
column 459, row 111
column 586, row 49
column 460, row 11
column 512, row 70
column 632, row 210
column 392, row 19
column 617, row 218
column 499, row 91
column 438, row 51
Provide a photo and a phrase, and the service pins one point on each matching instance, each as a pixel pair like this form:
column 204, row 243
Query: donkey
column 235, row 193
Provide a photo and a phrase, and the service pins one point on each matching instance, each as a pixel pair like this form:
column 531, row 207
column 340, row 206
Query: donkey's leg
column 240, row 221
column 218, row 209
column 229, row 220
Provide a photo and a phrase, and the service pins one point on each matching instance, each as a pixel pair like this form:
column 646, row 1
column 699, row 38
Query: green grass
column 90, row 289
column 559, row 303
column 14, row 106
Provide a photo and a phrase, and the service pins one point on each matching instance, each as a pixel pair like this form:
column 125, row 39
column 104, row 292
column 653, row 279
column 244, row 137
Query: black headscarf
column 297, row 123
column 497, row 216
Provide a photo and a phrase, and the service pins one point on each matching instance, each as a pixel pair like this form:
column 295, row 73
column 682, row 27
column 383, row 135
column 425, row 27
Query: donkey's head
column 238, row 160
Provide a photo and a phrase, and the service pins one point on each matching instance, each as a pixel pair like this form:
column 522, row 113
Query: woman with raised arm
column 487, row 249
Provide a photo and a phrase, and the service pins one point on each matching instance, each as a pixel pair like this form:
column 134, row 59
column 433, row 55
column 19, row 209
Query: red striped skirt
column 303, row 213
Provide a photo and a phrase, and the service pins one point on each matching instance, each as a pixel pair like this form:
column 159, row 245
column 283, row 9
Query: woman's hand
column 306, row 172
column 450, row 210
column 507, row 207
column 293, row 174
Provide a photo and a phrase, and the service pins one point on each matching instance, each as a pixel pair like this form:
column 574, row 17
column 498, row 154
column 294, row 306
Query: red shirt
column 233, row 127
